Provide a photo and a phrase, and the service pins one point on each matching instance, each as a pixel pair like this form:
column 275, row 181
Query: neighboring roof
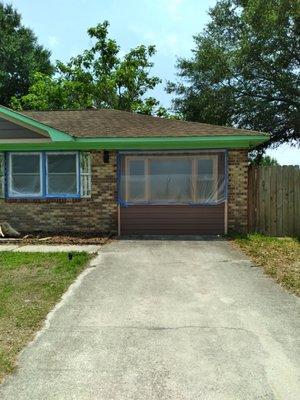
column 114, row 123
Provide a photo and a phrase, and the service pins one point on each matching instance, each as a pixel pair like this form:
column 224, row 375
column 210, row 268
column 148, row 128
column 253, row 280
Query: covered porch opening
column 172, row 193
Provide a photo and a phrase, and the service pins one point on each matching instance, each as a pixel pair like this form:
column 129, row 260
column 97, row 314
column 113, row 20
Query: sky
column 61, row 26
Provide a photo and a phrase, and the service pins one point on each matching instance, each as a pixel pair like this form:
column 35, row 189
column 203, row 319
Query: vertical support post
column 119, row 160
column 226, row 217
column 226, row 193
column 119, row 220
column 147, row 168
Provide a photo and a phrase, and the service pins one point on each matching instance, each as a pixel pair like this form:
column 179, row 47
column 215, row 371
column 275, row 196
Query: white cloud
column 53, row 41
column 167, row 42
column 171, row 41
column 173, row 8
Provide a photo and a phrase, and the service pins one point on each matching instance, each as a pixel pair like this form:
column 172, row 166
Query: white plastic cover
column 173, row 179
column 25, row 174
column 2, row 175
column 85, row 175
column 62, row 174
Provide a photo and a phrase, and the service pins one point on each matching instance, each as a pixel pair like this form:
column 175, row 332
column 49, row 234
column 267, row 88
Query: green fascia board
column 144, row 143
column 55, row 134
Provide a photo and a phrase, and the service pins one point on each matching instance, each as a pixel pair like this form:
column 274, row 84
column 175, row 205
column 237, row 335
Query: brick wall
column 237, row 191
column 96, row 214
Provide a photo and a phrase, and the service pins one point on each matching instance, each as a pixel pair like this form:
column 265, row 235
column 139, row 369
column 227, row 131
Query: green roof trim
column 23, row 120
column 144, row 143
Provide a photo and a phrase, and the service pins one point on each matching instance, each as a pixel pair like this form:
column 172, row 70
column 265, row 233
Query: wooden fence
column 274, row 200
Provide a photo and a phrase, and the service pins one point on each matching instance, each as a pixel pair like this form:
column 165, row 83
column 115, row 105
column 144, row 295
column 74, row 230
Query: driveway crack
column 154, row 328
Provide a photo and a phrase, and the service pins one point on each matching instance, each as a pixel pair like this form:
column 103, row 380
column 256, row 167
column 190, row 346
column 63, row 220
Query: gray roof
column 115, row 123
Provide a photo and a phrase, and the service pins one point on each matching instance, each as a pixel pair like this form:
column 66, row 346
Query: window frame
column 9, row 175
column 167, row 157
column 46, row 176
column 43, row 176
column 214, row 179
column 85, row 174
column 2, row 175
column 195, row 200
column 146, row 169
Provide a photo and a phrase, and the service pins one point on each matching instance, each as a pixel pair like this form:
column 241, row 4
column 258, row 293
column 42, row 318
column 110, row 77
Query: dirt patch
column 279, row 257
column 65, row 238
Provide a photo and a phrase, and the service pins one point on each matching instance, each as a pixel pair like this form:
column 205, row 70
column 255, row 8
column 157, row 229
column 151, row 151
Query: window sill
column 45, row 200
column 171, row 203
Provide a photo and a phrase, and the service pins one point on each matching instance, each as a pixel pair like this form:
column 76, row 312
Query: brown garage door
column 172, row 220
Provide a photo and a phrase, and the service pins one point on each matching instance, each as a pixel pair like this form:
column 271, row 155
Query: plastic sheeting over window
column 172, row 178
column 25, row 174
column 136, row 185
column 47, row 174
column 85, row 175
column 2, row 174
column 62, row 174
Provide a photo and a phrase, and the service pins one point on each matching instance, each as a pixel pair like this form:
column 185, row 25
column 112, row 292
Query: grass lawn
column 30, row 285
column 279, row 257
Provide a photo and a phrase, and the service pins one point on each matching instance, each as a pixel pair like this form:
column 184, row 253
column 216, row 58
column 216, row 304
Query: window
column 136, row 182
column 25, row 174
column 62, row 173
column 48, row 174
column 2, row 175
column 206, row 179
column 85, row 175
column 170, row 179
column 179, row 179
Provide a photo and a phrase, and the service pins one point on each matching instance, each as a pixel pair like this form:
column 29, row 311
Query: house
column 107, row 170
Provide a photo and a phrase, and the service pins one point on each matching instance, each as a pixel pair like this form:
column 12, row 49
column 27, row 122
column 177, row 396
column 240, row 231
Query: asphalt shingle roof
column 115, row 123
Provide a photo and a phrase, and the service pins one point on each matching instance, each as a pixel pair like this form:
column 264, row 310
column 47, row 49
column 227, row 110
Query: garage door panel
column 172, row 219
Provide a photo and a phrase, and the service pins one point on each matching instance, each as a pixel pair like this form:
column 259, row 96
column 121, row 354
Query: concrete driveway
column 166, row 320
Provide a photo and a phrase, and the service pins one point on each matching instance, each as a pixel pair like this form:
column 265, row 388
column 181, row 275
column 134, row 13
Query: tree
column 151, row 106
column 263, row 161
column 20, row 55
column 98, row 78
column 244, row 70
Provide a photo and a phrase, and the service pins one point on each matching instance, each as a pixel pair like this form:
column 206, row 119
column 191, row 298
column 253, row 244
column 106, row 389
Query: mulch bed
column 50, row 238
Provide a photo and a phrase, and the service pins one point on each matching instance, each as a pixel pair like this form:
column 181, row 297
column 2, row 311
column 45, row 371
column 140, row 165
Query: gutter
column 144, row 143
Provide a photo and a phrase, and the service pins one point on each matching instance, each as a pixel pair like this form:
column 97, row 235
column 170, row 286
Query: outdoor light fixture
column 105, row 157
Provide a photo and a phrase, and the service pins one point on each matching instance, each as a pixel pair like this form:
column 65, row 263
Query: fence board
column 291, row 205
column 262, row 197
column 285, row 187
column 279, row 202
column 274, row 200
column 297, row 201
column 267, row 199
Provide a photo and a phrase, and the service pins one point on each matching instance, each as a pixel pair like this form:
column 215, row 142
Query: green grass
column 30, row 285
column 279, row 257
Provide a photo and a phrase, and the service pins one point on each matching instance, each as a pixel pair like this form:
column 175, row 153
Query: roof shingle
column 115, row 123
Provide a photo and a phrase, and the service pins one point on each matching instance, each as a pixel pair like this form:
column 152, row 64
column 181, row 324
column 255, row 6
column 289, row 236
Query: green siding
column 16, row 117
